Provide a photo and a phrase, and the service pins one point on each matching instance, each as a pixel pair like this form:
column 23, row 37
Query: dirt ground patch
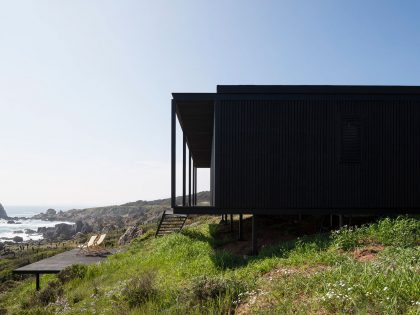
column 367, row 253
column 270, row 231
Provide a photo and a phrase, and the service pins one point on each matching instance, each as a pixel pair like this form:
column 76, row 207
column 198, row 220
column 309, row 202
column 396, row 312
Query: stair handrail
column 160, row 223
column 183, row 223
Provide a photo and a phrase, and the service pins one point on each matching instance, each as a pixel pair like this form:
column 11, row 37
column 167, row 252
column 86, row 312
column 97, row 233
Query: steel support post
column 254, row 249
column 37, row 284
column 189, row 179
column 173, row 155
column 241, row 228
column 184, row 170
column 195, row 186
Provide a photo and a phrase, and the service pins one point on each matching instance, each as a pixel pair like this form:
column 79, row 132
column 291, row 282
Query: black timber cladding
column 283, row 149
column 285, row 154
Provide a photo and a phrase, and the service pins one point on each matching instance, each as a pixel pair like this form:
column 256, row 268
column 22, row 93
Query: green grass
column 184, row 273
column 22, row 258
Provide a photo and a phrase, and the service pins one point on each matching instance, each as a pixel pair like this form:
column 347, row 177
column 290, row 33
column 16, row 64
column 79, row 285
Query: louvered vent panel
column 350, row 140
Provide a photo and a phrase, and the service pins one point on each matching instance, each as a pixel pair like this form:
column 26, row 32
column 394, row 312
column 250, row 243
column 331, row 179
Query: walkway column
column 231, row 222
column 254, row 235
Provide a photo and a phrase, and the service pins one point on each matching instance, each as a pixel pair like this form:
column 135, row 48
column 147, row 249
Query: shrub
column 347, row 238
column 72, row 272
column 140, row 289
column 7, row 285
column 77, row 297
column 205, row 288
column 50, row 294
column 402, row 232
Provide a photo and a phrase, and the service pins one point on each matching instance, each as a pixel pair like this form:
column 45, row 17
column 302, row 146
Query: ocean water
column 12, row 230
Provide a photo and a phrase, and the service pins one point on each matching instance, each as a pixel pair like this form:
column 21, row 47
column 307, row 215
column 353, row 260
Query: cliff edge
column 3, row 214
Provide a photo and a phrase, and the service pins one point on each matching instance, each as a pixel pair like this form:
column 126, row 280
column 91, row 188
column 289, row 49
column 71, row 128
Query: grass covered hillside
column 373, row 269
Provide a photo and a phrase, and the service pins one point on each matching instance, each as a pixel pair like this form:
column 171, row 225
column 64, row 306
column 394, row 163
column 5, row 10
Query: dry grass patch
column 286, row 271
column 260, row 299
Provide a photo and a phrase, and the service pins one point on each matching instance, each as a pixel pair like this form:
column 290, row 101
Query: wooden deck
column 57, row 263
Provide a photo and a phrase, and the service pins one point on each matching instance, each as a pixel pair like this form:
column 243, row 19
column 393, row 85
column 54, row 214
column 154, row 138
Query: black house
column 301, row 149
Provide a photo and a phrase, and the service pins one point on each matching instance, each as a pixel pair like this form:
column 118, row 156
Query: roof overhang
column 195, row 111
column 195, row 114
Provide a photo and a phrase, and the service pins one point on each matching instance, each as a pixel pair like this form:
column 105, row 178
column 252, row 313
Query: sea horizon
column 29, row 211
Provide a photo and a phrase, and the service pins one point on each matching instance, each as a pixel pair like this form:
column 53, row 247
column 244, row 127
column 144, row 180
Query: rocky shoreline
column 101, row 219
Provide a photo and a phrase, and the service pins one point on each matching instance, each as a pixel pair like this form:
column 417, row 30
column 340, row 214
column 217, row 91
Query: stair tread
column 170, row 229
column 171, row 223
column 172, row 218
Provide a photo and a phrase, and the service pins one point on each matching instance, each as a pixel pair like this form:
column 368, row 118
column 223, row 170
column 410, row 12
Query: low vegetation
column 16, row 255
column 373, row 269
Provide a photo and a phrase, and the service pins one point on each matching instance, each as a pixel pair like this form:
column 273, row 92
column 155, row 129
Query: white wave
column 11, row 230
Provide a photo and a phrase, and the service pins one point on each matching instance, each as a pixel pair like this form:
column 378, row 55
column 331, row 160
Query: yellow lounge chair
column 97, row 247
column 86, row 246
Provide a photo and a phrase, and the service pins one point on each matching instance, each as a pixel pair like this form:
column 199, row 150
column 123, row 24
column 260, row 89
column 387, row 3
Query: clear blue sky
column 85, row 85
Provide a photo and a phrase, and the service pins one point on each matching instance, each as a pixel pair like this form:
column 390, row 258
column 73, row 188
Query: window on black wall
column 350, row 139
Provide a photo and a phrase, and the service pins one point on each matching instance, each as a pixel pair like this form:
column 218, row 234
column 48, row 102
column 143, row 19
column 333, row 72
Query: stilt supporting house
column 240, row 229
column 254, row 249
column 340, row 220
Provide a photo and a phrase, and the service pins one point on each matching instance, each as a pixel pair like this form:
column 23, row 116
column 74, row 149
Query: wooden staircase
column 170, row 222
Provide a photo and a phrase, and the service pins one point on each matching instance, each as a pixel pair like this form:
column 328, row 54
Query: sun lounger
column 97, row 248
column 86, row 246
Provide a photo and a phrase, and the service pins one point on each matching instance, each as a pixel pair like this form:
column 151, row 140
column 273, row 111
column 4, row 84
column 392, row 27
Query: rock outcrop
column 3, row 214
column 131, row 233
column 63, row 231
column 18, row 239
column 51, row 212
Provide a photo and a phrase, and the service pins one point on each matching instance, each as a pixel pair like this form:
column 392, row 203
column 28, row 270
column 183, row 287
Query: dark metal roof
column 317, row 89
